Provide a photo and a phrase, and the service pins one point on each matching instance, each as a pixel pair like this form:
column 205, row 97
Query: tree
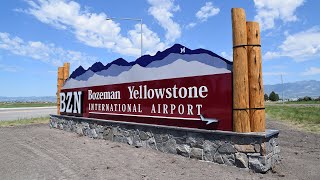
column 307, row 98
column 273, row 96
column 266, row 97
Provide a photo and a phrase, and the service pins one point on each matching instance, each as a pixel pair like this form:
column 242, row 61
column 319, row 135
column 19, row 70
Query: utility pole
column 282, row 89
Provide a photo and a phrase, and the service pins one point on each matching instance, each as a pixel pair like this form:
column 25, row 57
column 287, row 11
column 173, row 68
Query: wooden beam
column 256, row 93
column 66, row 67
column 241, row 120
column 59, row 86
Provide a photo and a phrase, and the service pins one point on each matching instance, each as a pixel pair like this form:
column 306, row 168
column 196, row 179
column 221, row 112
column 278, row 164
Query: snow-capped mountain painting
column 175, row 62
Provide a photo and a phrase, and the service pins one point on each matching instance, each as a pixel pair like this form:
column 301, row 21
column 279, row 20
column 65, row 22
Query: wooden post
column 59, row 86
column 241, row 120
column 66, row 67
column 256, row 94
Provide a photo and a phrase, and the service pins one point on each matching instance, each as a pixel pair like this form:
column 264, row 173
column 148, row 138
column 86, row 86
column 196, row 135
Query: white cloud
column 270, row 10
column 274, row 73
column 48, row 53
column 162, row 11
column 191, row 25
column 301, row 46
column 311, row 71
column 151, row 41
column 207, row 11
column 228, row 56
column 91, row 29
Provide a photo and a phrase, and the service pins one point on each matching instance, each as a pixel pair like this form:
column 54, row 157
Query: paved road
column 7, row 114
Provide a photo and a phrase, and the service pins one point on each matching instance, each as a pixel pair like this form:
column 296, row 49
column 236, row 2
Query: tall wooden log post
column 66, row 69
column 241, row 114
column 59, row 86
column 256, row 93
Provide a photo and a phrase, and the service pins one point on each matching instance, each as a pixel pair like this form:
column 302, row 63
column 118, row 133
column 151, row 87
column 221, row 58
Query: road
column 7, row 114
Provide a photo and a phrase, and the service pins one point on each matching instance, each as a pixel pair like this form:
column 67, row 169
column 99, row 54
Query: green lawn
column 17, row 105
column 306, row 117
column 41, row 120
column 302, row 102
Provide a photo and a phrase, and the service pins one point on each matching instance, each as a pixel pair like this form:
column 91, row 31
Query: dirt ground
column 38, row 152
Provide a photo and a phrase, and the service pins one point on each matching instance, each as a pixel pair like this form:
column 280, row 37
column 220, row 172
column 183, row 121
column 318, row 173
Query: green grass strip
column 302, row 102
column 41, row 120
column 305, row 116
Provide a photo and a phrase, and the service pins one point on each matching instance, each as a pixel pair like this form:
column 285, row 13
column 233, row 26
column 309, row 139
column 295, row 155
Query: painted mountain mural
column 175, row 62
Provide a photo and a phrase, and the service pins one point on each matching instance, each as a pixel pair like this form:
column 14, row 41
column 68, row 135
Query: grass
column 17, row 105
column 302, row 102
column 41, row 120
column 302, row 116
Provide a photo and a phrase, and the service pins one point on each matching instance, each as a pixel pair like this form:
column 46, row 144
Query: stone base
column 256, row 151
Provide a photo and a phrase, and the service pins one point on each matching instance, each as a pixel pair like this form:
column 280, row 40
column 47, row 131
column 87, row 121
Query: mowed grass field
column 18, row 104
column 302, row 102
column 307, row 117
column 41, row 120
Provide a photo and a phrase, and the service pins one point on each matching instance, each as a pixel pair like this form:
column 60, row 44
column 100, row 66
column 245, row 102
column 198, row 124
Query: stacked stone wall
column 259, row 152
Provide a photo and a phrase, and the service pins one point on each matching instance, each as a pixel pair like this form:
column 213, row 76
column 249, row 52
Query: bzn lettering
column 70, row 102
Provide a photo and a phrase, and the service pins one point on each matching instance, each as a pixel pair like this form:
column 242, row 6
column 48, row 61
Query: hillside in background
column 296, row 89
column 291, row 90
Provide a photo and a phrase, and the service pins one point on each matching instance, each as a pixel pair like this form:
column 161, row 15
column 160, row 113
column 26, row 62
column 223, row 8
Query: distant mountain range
column 295, row 89
column 29, row 99
column 291, row 90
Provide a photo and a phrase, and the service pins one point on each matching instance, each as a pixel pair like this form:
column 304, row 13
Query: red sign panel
column 203, row 102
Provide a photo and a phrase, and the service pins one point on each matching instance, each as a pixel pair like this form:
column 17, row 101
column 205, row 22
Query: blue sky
column 38, row 36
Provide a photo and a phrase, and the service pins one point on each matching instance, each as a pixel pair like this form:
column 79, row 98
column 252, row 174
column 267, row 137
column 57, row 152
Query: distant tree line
column 307, row 98
column 275, row 97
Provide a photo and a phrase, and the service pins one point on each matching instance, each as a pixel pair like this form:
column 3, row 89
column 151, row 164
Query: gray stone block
column 209, row 149
column 136, row 141
column 143, row 136
column 92, row 133
column 79, row 130
column 108, row 134
column 259, row 163
column 257, row 148
column 151, row 143
column 218, row 158
column 226, row 148
column 183, row 150
column 245, row 148
column 196, row 153
column 170, row 146
column 241, row 160
column 129, row 140
column 164, row 137
column 120, row 138
column 85, row 124
column 276, row 150
column 194, row 142
column 228, row 159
